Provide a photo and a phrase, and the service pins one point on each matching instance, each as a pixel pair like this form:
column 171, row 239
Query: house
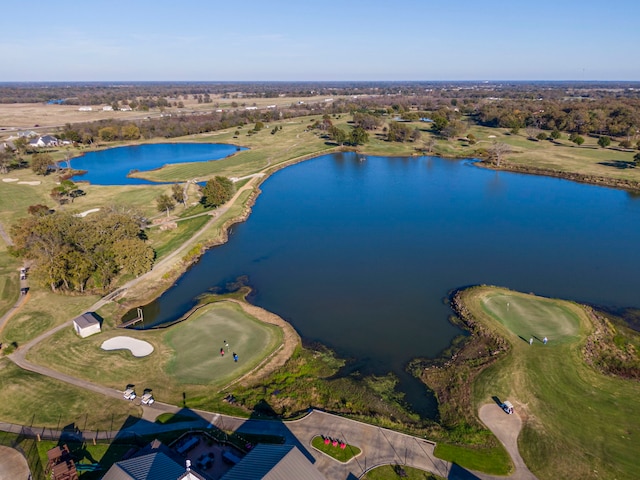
column 86, row 324
column 274, row 462
column 154, row 462
column 85, row 109
column 125, row 108
column 44, row 141
column 27, row 134
column 107, row 108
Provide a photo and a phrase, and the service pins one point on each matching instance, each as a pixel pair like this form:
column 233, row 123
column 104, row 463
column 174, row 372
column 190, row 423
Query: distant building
column 125, row 108
column 44, row 141
column 85, row 109
column 107, row 108
column 86, row 324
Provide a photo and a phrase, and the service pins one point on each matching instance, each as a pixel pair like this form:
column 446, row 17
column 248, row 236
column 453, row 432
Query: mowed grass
column 197, row 344
column 578, row 423
column 43, row 311
column 186, row 357
column 28, row 398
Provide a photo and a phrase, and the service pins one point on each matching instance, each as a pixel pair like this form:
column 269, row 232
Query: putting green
column 197, row 343
column 528, row 316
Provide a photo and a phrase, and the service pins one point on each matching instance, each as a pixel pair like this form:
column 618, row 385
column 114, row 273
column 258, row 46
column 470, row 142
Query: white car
column 129, row 394
column 147, row 399
column 507, row 406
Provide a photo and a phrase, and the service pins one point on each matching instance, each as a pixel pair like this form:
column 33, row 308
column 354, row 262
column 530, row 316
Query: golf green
column 198, row 341
column 531, row 317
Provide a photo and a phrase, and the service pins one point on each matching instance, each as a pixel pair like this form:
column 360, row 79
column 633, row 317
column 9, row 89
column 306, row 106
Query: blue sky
column 74, row 40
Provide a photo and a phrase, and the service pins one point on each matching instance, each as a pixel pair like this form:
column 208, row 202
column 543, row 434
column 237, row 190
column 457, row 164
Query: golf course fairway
column 578, row 423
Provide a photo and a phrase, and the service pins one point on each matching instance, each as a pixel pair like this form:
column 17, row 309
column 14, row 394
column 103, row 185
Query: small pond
column 111, row 166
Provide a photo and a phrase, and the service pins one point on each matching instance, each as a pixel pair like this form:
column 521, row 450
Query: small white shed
column 86, row 324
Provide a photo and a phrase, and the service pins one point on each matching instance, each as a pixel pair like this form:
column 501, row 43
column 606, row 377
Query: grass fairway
column 578, row 423
column 186, row 357
column 28, row 398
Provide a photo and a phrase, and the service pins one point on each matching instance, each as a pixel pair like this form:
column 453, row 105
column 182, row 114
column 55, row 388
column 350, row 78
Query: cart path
column 506, row 428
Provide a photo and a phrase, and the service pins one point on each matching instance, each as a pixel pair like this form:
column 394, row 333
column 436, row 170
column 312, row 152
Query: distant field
column 577, row 421
column 23, row 116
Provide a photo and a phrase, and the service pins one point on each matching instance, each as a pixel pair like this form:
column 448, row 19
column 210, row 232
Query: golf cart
column 147, row 398
column 129, row 393
column 507, row 406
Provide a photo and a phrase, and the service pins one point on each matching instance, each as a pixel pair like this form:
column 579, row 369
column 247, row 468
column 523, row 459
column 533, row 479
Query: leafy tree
column 604, row 141
column 108, row 134
column 337, row 135
column 398, row 132
column 416, row 135
column 177, row 192
column 541, row 136
column 555, row 134
column 578, row 140
column 165, row 203
column 259, row 126
column 40, row 163
column 132, row 255
column 472, row 139
column 636, row 159
column 358, row 136
column 73, row 253
column 130, row 132
column 217, row 191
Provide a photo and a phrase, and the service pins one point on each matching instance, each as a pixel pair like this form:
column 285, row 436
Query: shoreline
column 178, row 268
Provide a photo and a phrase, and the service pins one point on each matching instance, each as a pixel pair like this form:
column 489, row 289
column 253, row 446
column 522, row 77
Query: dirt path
column 506, row 428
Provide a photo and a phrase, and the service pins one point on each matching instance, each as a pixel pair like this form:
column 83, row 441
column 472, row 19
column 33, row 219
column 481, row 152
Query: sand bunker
column 138, row 348
column 84, row 214
column 10, row 179
column 36, row 182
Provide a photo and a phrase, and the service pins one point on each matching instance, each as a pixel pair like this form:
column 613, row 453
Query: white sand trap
column 491, row 136
column 10, row 179
column 36, row 182
column 84, row 214
column 138, row 348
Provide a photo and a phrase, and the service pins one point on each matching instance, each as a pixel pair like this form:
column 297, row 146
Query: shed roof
column 274, row 462
column 85, row 320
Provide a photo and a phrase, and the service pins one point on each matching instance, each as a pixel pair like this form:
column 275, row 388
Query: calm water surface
column 111, row 166
column 359, row 255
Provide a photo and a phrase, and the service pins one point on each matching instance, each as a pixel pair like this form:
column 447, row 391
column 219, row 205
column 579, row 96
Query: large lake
column 358, row 254
column 111, row 166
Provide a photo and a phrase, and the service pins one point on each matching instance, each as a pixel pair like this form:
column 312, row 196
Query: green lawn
column 197, row 345
column 577, row 421
column 186, row 357
column 31, row 399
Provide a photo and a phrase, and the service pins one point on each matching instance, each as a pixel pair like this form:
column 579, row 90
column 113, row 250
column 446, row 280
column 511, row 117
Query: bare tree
column 497, row 151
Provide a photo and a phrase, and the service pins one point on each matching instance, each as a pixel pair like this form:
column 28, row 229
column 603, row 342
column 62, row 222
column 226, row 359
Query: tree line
column 75, row 254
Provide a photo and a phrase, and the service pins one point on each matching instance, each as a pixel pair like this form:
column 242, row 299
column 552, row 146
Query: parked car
column 147, row 399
